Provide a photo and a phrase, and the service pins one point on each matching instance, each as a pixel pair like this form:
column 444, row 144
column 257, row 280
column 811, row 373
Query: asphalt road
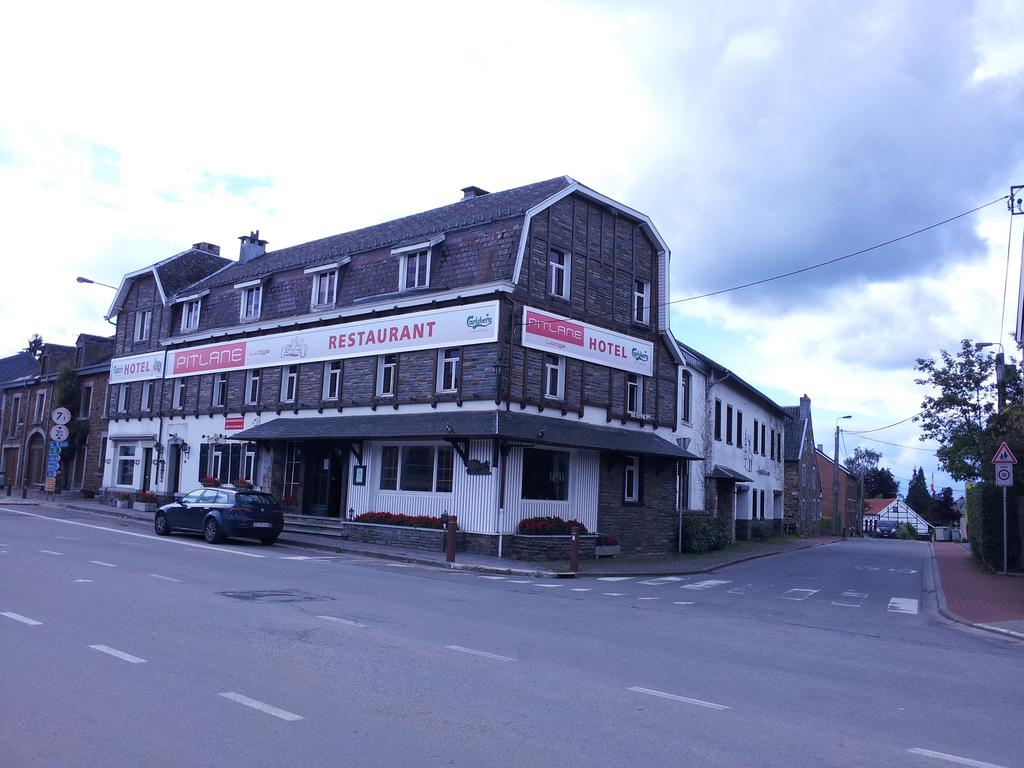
column 119, row 648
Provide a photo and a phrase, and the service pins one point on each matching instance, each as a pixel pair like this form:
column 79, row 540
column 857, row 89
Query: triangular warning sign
column 1004, row 455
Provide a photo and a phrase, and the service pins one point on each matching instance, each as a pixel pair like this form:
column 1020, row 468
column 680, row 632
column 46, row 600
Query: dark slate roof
column 723, row 371
column 188, row 268
column 18, row 366
column 523, row 427
column 795, row 426
column 474, row 211
column 725, row 473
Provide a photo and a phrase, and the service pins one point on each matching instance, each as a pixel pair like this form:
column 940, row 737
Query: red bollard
column 574, row 550
column 452, row 526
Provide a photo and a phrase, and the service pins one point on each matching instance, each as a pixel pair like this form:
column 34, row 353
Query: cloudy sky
column 761, row 137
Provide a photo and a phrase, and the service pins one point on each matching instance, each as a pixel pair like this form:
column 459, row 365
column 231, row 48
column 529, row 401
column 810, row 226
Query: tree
column 879, row 483
column 35, row 346
column 944, row 511
column 918, row 498
column 863, row 459
column 960, row 414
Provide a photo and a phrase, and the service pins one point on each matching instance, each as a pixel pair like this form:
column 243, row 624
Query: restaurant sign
column 561, row 336
column 137, row 367
column 431, row 329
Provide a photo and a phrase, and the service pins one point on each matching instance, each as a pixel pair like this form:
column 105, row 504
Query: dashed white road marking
column 614, row 578
column 100, row 562
column 118, row 654
column 22, row 619
column 165, row 578
column 581, row 589
column 297, row 557
column 399, row 565
column 683, row 602
column 799, row 594
column 903, row 605
column 493, row 578
column 706, row 584
column 660, row 581
column 674, row 697
column 520, row 581
column 749, row 589
column 83, row 581
column 70, row 538
column 613, row 594
column 346, row 622
column 473, row 652
column 647, row 598
column 549, row 586
column 952, row 758
column 50, row 552
column 283, row 714
column 150, row 537
column 851, row 599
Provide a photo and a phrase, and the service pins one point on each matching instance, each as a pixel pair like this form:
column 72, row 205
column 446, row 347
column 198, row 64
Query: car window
column 223, row 498
column 209, row 497
column 256, row 499
column 192, row 498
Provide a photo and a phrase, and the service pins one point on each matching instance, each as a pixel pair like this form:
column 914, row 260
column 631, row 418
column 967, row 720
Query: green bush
column 985, row 525
column 825, row 525
column 907, row 531
column 704, row 534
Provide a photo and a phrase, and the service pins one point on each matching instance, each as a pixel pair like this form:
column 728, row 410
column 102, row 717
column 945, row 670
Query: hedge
column 703, row 534
column 985, row 525
column 549, row 526
column 395, row 518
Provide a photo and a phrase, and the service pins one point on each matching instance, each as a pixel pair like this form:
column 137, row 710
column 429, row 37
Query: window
column 229, row 461
column 559, row 273
column 417, row 468
column 85, row 403
column 755, row 436
column 387, row 374
column 554, row 377
column 448, row 373
column 325, row 288
column 220, row 389
column 773, row 445
column 15, row 418
column 179, row 394
column 684, row 392
column 40, row 406
column 106, row 400
column 631, row 480
column 416, row 270
column 143, row 320
column 718, row 419
column 739, row 428
column 126, row 465
column 641, row 302
column 684, row 485
column 249, row 463
column 190, row 315
column 252, row 300
column 634, row 394
column 122, row 399
column 332, row 380
column 252, row 387
column 762, row 441
column 545, row 475
column 762, row 505
column 289, row 383
column 147, row 395
column 103, row 452
column 728, row 424
column 292, row 471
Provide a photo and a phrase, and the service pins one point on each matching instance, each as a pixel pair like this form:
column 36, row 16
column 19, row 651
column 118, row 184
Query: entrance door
column 36, row 463
column 174, row 468
column 11, row 466
column 147, row 468
column 328, row 468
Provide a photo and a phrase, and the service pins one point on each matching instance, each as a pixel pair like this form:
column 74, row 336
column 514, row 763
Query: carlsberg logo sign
column 476, row 322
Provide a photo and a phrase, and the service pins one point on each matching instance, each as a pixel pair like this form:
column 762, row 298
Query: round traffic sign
column 61, row 415
column 59, row 432
column 1004, row 474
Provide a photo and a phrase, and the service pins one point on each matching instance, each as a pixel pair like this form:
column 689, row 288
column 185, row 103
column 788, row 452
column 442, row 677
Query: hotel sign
column 449, row 327
column 137, row 367
column 561, row 336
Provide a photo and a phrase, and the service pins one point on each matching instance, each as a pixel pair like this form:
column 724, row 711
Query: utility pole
column 835, row 480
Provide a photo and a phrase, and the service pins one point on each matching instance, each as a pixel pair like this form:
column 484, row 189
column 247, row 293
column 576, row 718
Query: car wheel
column 268, row 540
column 160, row 524
column 211, row 531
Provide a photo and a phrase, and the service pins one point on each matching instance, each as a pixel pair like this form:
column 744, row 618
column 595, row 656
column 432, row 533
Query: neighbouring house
column 897, row 511
column 501, row 358
column 849, row 492
column 13, row 369
column 739, row 433
column 802, row 496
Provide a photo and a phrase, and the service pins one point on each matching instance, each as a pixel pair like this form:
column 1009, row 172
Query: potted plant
column 290, row 503
column 124, row 500
column 241, row 482
column 607, row 546
column 145, row 502
column 211, row 481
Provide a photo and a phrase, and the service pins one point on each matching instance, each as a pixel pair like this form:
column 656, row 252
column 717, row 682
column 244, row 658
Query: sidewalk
column 967, row 593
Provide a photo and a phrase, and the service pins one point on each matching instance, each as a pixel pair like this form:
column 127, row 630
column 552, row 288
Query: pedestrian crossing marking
column 851, row 599
column 707, row 584
column 749, row 589
column 549, row 586
column 494, row 578
column 614, row 578
column 661, row 580
column 904, row 605
column 799, row 594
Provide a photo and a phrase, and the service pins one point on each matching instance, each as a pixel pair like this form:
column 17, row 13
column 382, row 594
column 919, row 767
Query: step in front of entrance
column 314, row 525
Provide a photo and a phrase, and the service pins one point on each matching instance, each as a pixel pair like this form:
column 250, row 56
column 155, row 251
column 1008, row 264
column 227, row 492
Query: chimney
column 805, row 407
column 468, row 192
column 252, row 247
column 207, row 247
column 821, row 448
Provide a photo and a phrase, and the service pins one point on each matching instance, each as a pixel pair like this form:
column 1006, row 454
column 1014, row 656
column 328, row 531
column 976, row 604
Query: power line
column 879, row 429
column 897, row 445
column 842, row 258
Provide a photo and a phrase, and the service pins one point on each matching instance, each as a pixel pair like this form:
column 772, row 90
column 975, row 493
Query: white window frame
column 143, row 323
column 449, row 369
column 40, row 410
column 387, row 373
column 15, row 418
column 560, row 270
column 642, row 301
column 634, row 394
column 554, row 364
column 330, row 293
column 179, row 394
column 408, row 260
column 147, row 396
column 85, row 402
column 122, row 399
column 252, row 386
column 190, row 315
column 125, row 458
column 289, row 380
column 249, row 462
column 220, row 389
column 401, row 454
column 631, row 480
column 106, row 400
column 251, row 304
column 332, row 380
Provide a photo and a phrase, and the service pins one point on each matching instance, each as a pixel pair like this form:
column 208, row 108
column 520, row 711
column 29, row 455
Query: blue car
column 217, row 513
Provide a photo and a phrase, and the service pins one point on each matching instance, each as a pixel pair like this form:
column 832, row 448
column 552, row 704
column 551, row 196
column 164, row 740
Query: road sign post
column 1004, row 461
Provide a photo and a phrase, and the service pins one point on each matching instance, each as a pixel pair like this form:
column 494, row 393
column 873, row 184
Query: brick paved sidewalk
column 975, row 595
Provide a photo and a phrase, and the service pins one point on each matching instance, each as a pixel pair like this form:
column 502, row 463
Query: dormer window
column 251, row 300
column 325, row 289
column 190, row 315
column 143, row 320
column 414, row 264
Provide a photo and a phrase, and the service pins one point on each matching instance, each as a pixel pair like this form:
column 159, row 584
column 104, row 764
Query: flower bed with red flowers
column 549, row 526
column 395, row 518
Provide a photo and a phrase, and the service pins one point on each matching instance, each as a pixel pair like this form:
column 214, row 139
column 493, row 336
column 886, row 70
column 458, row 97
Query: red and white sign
column 137, row 368
column 1004, row 455
column 234, row 423
column 560, row 335
column 449, row 327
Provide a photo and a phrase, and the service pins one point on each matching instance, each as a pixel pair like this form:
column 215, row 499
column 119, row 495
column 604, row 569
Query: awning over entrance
column 520, row 427
column 724, row 473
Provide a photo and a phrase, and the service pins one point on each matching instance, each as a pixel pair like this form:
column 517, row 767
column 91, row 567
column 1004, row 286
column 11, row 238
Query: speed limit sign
column 1004, row 475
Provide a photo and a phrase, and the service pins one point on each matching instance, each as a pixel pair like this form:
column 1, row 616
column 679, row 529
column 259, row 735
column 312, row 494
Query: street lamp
column 835, row 481
column 1000, row 372
column 94, row 282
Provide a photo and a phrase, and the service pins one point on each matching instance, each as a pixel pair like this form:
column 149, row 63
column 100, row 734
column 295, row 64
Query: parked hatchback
column 220, row 512
column 887, row 529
